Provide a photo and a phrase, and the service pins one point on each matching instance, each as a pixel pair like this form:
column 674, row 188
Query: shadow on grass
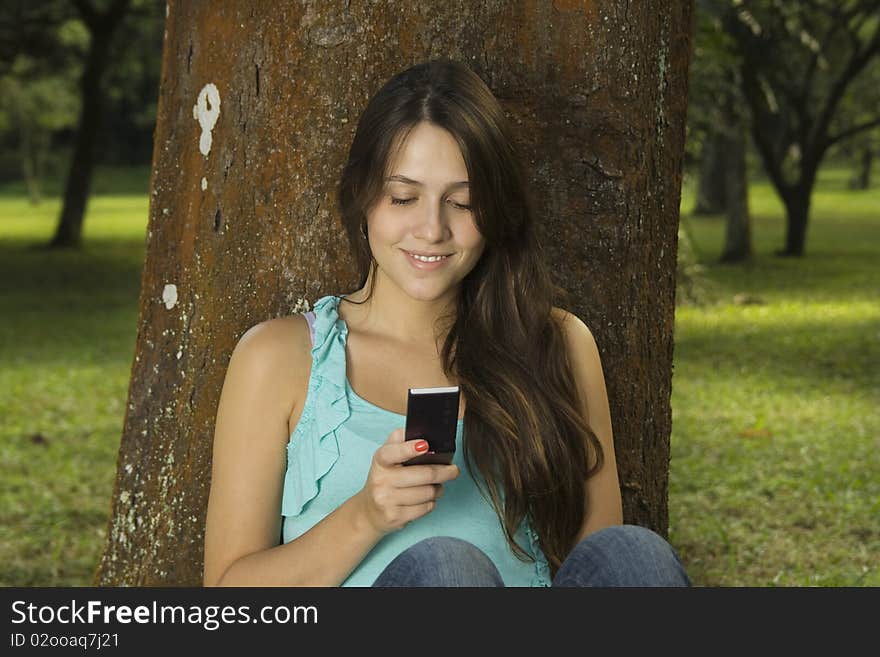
column 832, row 352
column 51, row 301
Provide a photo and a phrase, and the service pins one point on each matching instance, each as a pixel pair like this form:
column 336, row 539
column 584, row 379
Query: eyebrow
column 410, row 181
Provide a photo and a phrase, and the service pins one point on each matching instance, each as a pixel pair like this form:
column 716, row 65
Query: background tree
column 41, row 47
column 33, row 106
column 132, row 87
column 30, row 29
column 54, row 64
column 256, row 113
column 709, row 78
column 717, row 125
column 866, row 154
column 798, row 61
column 101, row 26
column 733, row 141
column 857, row 108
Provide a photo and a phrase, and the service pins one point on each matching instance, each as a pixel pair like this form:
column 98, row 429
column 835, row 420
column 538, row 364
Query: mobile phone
column 432, row 415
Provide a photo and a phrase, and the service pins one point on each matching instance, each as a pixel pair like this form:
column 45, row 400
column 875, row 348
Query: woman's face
column 424, row 209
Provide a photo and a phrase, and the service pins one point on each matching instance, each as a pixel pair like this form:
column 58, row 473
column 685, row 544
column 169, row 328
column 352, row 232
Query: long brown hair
column 524, row 427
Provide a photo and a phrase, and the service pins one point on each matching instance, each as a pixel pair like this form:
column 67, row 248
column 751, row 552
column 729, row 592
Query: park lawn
column 775, row 464
column 774, row 475
column 67, row 337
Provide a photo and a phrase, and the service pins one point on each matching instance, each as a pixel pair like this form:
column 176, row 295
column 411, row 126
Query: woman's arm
column 244, row 507
column 603, row 488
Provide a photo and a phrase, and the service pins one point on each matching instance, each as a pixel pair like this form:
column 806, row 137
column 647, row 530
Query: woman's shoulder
column 281, row 345
column 279, row 333
column 576, row 333
column 559, row 314
column 565, row 319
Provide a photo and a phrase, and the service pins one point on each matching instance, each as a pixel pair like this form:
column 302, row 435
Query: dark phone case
column 432, row 414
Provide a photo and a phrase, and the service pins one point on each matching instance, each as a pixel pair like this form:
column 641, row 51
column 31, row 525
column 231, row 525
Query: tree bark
column 243, row 227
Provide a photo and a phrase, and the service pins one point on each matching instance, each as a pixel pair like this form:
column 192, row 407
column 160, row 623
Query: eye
column 460, row 206
column 400, row 201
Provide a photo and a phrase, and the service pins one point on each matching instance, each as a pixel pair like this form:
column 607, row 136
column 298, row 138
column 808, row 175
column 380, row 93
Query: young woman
column 453, row 291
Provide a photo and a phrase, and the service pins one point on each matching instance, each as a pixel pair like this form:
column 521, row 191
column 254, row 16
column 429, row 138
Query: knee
column 633, row 538
column 442, row 561
column 448, row 552
column 627, row 555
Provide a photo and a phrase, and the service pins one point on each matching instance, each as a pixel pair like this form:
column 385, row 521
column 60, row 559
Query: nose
column 431, row 223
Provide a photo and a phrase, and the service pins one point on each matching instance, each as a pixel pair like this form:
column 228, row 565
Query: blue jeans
column 622, row 555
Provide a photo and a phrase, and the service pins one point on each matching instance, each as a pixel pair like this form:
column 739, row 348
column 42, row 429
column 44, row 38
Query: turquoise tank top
column 329, row 455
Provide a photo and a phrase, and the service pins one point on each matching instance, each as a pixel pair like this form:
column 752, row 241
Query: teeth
column 427, row 258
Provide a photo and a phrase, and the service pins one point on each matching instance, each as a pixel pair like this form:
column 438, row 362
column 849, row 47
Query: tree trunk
column 863, row 178
column 68, row 233
column 243, row 225
column 712, row 177
column 29, row 162
column 797, row 206
column 797, row 211
column 738, row 234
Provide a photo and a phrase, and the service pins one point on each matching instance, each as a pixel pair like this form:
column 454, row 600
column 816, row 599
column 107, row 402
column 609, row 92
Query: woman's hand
column 396, row 494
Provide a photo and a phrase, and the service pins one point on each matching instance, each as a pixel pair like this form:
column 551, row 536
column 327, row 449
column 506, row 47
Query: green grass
column 67, row 338
column 775, row 473
column 775, row 470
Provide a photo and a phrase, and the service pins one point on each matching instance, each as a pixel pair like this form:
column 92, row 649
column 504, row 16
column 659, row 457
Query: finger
column 439, row 473
column 397, row 452
column 421, row 474
column 442, row 473
column 416, row 511
column 415, row 495
column 387, row 454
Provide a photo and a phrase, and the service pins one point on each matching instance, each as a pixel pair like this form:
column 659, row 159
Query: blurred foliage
column 47, row 102
column 802, row 49
column 132, row 86
column 43, row 47
column 806, row 77
column 713, row 75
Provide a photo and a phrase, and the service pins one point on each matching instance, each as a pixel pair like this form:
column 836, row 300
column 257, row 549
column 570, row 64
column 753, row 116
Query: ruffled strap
column 542, row 567
column 313, row 448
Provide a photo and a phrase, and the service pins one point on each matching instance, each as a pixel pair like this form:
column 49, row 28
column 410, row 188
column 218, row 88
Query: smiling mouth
column 426, row 255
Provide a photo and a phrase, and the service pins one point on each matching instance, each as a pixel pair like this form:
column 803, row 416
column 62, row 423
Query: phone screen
column 432, row 415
